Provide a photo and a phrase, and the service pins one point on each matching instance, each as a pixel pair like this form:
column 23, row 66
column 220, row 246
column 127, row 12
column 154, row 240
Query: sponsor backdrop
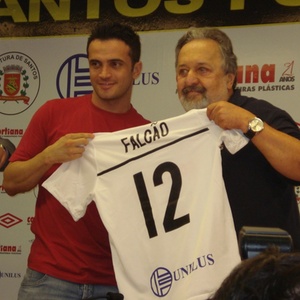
column 42, row 56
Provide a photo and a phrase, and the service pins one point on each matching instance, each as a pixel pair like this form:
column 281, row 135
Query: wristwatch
column 255, row 126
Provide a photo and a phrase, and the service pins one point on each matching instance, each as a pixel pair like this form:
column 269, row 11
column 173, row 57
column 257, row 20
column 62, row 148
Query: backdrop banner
column 39, row 68
column 61, row 17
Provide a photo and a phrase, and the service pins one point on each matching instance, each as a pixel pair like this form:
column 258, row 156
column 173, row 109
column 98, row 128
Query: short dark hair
column 125, row 33
column 269, row 275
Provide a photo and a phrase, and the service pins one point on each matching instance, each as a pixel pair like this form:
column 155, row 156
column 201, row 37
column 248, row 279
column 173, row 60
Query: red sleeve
column 34, row 139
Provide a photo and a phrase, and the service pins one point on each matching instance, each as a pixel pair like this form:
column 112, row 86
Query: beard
column 194, row 102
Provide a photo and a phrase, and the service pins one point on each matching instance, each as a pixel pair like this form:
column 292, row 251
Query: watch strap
column 250, row 134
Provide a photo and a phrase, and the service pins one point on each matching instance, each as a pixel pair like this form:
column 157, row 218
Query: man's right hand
column 22, row 176
column 67, row 148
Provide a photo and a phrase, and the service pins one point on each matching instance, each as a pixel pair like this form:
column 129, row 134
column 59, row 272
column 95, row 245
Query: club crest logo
column 19, row 82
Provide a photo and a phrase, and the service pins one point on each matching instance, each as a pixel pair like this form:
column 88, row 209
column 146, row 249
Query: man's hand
column 229, row 116
column 22, row 176
column 67, row 148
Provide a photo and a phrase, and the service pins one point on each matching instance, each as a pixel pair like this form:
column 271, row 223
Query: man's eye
column 94, row 64
column 203, row 70
column 116, row 64
column 183, row 72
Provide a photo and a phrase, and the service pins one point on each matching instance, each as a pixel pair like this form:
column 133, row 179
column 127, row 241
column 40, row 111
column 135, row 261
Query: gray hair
column 224, row 42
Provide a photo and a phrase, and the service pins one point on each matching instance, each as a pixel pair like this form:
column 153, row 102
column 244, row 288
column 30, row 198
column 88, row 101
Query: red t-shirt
column 73, row 251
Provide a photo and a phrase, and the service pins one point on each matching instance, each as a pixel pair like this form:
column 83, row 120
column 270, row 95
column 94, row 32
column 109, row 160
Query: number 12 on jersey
column 170, row 222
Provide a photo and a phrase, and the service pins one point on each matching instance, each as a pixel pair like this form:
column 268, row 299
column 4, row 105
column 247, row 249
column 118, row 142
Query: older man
column 260, row 178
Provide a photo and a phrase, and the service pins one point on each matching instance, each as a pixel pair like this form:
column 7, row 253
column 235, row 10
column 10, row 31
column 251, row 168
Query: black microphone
column 114, row 296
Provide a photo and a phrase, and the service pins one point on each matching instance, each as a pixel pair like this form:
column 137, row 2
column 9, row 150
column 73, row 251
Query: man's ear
column 137, row 69
column 230, row 80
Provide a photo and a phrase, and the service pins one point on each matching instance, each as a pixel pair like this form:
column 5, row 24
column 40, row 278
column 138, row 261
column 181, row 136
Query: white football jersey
column 160, row 193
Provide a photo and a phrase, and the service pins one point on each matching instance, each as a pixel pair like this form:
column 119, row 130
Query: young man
column 260, row 178
column 72, row 260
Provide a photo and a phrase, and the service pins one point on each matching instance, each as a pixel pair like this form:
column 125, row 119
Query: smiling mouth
column 193, row 89
column 106, row 85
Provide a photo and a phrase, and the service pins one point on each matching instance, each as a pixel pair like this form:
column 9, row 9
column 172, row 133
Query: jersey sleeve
column 234, row 140
column 72, row 184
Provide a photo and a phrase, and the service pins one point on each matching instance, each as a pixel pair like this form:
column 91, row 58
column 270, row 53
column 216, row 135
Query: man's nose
column 191, row 78
column 105, row 72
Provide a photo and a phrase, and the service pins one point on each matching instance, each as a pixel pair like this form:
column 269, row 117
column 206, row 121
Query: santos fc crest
column 19, row 82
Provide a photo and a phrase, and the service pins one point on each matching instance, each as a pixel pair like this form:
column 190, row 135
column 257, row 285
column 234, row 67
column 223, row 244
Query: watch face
column 257, row 125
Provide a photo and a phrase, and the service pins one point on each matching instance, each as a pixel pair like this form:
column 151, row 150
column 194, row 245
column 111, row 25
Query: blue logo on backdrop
column 73, row 78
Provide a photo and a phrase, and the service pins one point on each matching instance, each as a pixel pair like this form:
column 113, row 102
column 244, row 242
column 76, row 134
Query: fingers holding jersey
column 229, row 116
column 67, row 148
